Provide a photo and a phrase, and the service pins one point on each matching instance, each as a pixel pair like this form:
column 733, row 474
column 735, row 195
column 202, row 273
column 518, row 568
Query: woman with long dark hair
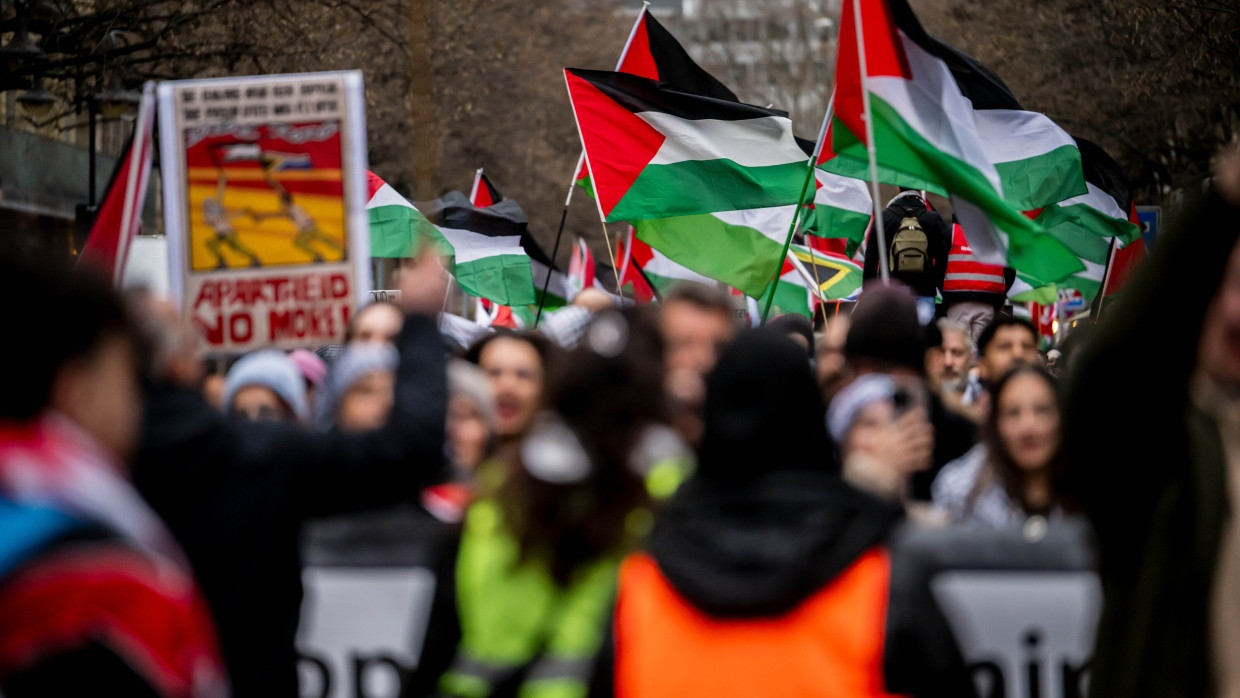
column 528, row 598
column 1007, row 478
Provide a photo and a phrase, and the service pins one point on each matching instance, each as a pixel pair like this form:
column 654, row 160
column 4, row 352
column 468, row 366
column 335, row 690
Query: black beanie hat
column 884, row 327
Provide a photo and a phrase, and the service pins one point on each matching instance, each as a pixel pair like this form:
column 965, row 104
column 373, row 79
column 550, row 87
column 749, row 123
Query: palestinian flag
column 394, row 222
column 660, row 270
column 841, row 209
column 739, row 248
column 656, row 152
column 1037, row 161
column 927, row 130
column 483, row 193
column 488, row 259
column 631, row 261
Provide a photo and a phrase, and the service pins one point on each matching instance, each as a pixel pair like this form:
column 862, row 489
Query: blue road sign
column 1151, row 222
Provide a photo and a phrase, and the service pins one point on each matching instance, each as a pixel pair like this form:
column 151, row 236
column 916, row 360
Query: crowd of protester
column 645, row 500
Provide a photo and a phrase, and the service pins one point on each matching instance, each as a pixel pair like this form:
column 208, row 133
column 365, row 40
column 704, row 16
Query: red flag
column 1044, row 317
column 120, row 216
column 630, row 265
column 1124, row 260
column 581, row 266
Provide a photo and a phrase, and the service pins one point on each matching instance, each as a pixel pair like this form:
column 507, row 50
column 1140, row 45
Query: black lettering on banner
column 1033, row 667
column 992, row 684
column 363, row 664
column 308, row 663
column 1075, row 679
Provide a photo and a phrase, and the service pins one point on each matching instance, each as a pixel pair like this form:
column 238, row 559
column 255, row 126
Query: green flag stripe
column 1033, row 182
column 734, row 254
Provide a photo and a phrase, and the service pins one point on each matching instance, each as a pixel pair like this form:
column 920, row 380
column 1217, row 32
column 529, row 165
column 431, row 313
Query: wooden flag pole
column 581, row 160
column 796, row 211
column 868, row 115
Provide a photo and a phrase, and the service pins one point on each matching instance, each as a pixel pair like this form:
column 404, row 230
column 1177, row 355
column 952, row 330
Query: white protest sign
column 264, row 206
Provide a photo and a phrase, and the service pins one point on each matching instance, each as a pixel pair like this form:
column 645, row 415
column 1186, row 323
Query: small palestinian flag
column 488, row 259
column 394, row 222
column 581, row 268
column 841, row 209
column 655, row 152
column 926, row 130
column 483, row 193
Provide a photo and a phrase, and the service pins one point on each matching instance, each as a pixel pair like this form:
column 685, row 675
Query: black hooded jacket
column 236, row 495
column 767, row 521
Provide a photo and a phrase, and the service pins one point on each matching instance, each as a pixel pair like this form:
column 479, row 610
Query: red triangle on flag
column 637, row 57
column 884, row 57
column 606, row 127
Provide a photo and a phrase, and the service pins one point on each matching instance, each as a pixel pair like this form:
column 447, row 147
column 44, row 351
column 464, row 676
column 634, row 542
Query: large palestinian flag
column 656, row 152
column 926, row 131
column 1037, row 161
column 660, row 270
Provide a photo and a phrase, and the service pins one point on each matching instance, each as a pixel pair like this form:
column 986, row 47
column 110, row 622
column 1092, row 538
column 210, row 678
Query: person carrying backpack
column 918, row 241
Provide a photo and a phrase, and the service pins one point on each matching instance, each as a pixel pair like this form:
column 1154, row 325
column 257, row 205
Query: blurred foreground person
column 831, row 368
column 767, row 575
column 882, row 436
column 696, row 322
column 236, row 495
column 1168, row 543
column 95, row 596
column 524, row 607
column 1006, row 479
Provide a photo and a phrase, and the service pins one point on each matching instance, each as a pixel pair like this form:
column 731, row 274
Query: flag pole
column 796, row 210
column 559, row 234
column 615, row 271
column 869, row 147
column 1106, row 279
column 581, row 160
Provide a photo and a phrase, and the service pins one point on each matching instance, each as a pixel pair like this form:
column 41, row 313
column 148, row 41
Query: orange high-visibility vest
column 831, row 646
column 965, row 273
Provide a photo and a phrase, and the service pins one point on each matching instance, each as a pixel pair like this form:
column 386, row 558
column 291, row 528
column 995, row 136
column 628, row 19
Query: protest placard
column 264, row 206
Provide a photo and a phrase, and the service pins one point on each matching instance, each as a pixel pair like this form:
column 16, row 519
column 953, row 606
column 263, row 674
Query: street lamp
column 115, row 101
column 37, row 102
column 21, row 47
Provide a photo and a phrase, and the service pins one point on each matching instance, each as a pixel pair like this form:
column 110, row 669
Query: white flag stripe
column 773, row 222
column 469, row 240
column 387, row 196
column 842, row 192
column 749, row 143
column 1098, row 200
column 1008, row 135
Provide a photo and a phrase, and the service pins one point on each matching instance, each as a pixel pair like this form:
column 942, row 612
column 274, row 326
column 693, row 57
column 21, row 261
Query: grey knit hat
column 273, row 370
column 356, row 361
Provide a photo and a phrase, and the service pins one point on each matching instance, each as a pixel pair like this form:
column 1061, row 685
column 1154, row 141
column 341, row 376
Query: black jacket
column 236, row 495
column 938, row 241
